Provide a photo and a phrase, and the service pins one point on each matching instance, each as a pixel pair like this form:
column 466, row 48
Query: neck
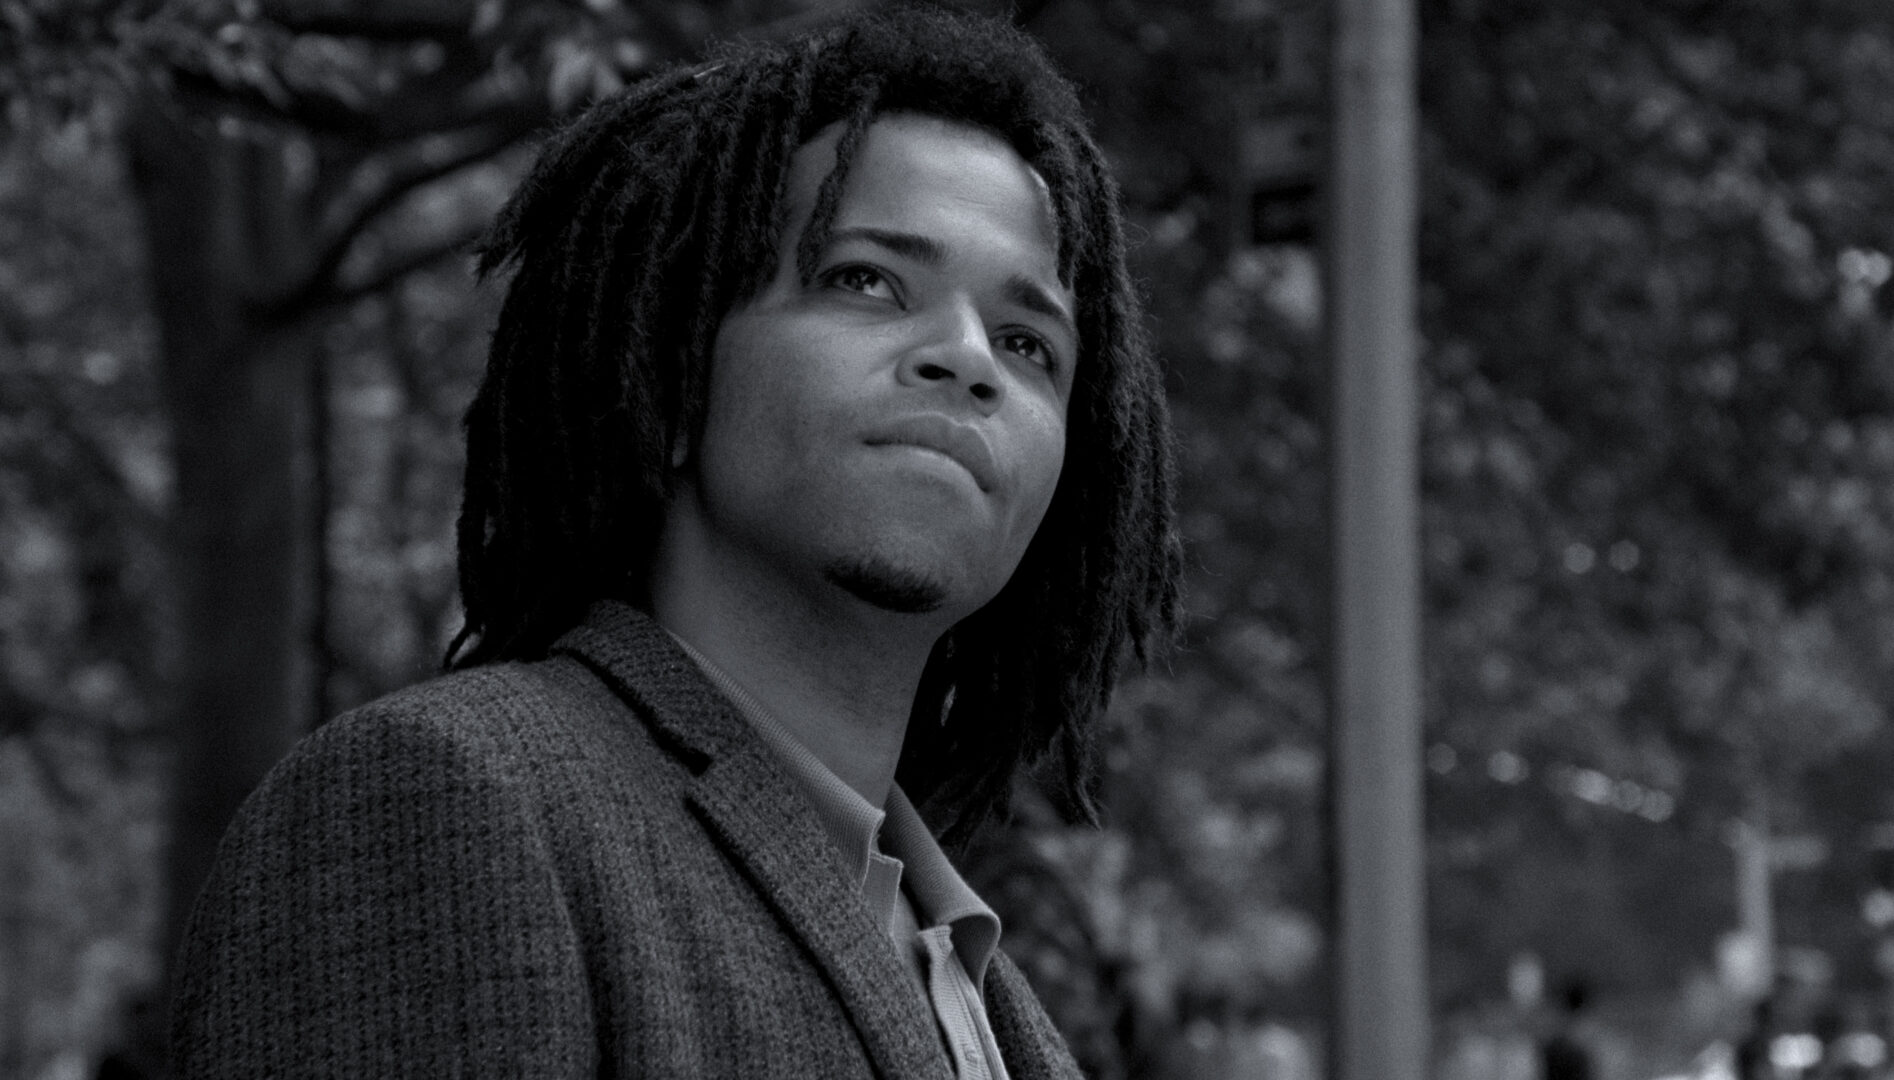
column 836, row 672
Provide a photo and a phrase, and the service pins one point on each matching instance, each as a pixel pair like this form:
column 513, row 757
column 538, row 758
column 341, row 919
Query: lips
column 934, row 432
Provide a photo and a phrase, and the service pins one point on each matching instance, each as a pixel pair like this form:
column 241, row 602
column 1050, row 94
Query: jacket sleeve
column 384, row 905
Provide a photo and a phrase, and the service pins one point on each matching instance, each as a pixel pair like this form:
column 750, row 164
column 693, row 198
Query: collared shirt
column 948, row 956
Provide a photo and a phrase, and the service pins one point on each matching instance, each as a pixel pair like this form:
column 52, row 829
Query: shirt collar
column 940, row 893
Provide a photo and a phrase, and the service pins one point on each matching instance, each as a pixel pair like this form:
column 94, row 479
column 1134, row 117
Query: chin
column 887, row 585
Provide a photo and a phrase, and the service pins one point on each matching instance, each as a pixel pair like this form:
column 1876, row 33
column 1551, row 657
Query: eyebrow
column 931, row 253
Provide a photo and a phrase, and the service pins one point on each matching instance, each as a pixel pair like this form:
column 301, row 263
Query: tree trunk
column 223, row 219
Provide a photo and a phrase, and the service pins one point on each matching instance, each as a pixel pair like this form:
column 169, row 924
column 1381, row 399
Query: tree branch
column 380, row 20
column 461, row 95
column 387, row 274
column 313, row 112
column 345, row 220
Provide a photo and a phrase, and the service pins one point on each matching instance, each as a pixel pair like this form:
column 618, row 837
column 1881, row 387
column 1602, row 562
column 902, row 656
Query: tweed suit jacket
column 587, row 866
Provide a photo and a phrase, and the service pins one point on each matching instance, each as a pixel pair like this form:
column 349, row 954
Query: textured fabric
column 587, row 866
column 861, row 832
column 851, row 820
column 855, row 826
column 853, row 823
column 957, row 944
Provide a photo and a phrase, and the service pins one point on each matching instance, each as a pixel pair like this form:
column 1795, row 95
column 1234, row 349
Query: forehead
column 912, row 170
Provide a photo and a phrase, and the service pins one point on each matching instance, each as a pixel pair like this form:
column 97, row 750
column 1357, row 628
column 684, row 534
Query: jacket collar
column 751, row 809
column 646, row 666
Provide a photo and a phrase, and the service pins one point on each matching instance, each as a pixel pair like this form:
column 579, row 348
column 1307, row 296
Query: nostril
column 984, row 391
column 933, row 371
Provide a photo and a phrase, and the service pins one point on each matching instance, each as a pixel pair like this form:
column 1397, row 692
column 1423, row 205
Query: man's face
column 896, row 426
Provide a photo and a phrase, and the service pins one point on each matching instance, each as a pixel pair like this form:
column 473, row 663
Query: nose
column 955, row 354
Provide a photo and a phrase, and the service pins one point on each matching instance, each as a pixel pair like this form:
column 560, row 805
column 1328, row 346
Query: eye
column 1029, row 346
column 858, row 278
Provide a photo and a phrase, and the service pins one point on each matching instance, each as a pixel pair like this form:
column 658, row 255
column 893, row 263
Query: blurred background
column 238, row 328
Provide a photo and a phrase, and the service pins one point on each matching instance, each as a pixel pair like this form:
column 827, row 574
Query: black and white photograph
column 947, row 539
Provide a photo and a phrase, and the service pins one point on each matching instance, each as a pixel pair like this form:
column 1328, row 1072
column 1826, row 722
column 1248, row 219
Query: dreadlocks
column 648, row 218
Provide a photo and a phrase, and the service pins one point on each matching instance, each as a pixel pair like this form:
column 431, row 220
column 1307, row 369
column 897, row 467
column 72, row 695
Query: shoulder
column 466, row 785
column 352, row 909
column 516, row 740
column 479, row 703
column 507, row 711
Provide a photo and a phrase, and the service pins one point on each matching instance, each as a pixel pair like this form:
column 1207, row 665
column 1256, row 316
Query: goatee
column 899, row 589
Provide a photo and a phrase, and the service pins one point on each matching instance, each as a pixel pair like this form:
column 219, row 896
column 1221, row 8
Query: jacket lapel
column 773, row 835
column 751, row 807
column 1031, row 1046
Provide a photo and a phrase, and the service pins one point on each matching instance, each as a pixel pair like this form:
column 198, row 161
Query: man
column 820, row 465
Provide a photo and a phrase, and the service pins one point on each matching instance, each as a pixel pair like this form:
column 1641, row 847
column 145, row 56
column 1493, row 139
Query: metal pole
column 1380, row 1029
column 1755, row 900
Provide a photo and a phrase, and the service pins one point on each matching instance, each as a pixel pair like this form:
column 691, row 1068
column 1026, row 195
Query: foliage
column 1655, row 466
column 1658, row 446
column 1658, row 424
column 83, row 483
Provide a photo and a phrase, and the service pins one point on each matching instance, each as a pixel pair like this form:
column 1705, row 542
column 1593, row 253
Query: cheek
column 749, row 402
column 1045, row 459
column 777, row 378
